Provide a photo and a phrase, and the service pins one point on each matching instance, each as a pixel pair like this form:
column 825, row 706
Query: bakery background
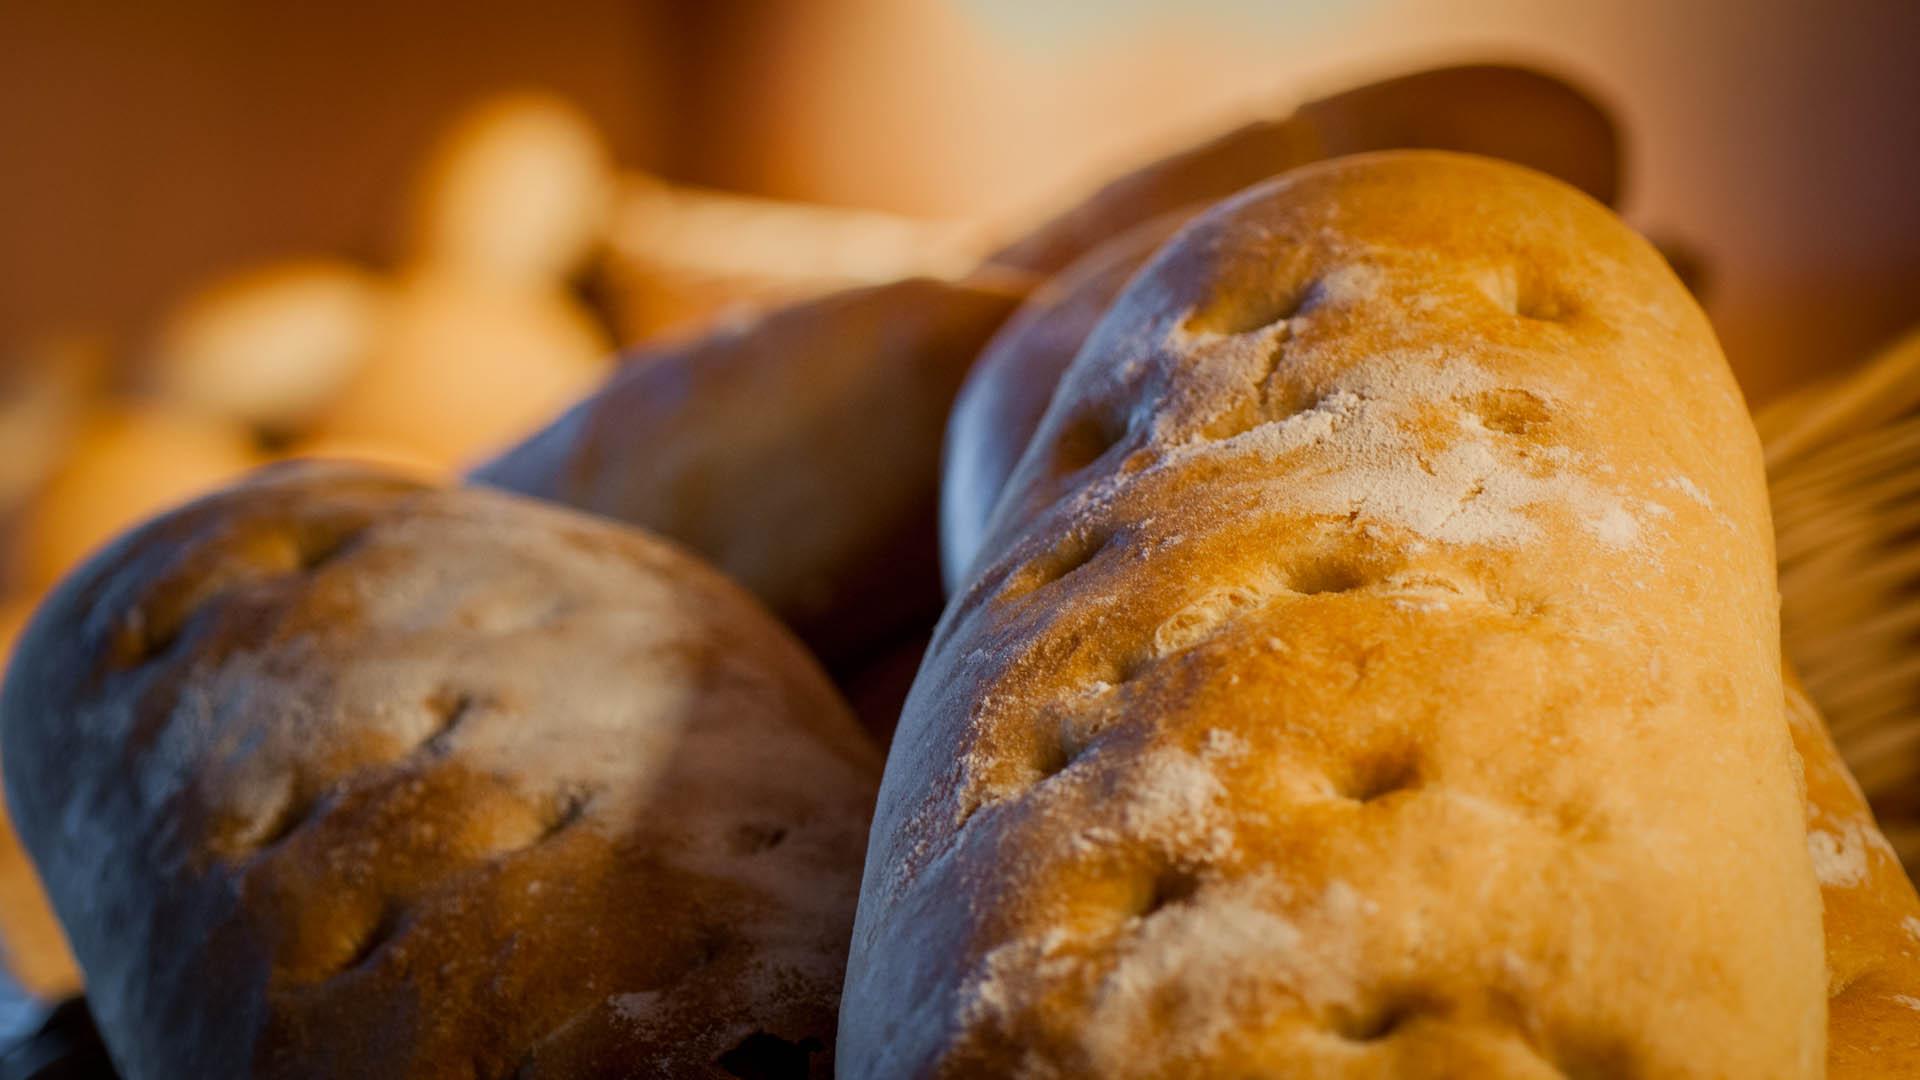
column 409, row 233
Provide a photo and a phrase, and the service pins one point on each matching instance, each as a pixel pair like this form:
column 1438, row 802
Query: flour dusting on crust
column 1372, row 461
column 1172, row 797
column 1839, row 858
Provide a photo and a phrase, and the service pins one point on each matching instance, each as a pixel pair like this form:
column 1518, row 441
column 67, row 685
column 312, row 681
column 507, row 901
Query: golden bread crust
column 1871, row 914
column 1371, row 669
column 333, row 774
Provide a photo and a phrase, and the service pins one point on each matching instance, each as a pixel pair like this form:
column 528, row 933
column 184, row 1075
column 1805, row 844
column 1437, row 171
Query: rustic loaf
column 799, row 452
column 1871, row 913
column 333, row 774
column 1372, row 669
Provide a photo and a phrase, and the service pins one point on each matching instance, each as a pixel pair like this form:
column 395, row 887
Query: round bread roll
column 271, row 347
column 1509, row 112
column 126, row 462
column 334, row 774
column 1372, row 669
column 465, row 366
column 517, row 192
column 799, row 452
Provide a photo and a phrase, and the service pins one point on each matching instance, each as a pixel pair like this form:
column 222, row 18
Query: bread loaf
column 1372, row 669
column 465, row 364
column 1872, row 917
column 334, row 774
column 271, row 347
column 799, row 452
column 516, row 191
column 1871, row 914
column 127, row 461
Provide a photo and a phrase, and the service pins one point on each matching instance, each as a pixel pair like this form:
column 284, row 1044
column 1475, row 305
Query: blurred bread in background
column 680, row 258
column 467, row 364
column 128, row 461
column 271, row 346
column 44, row 394
column 474, row 340
column 516, row 192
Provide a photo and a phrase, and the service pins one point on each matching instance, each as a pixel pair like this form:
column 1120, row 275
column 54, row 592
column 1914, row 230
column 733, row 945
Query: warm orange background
column 144, row 147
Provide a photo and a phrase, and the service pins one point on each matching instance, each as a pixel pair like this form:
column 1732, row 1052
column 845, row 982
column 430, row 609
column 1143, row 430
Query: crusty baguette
column 333, row 774
column 1513, row 113
column 1871, row 913
column 1372, row 669
column 798, row 452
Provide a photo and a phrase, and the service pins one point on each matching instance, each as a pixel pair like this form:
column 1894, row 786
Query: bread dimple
column 1398, row 694
column 333, row 774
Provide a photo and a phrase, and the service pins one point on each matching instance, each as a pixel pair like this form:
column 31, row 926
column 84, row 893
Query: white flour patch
column 995, row 984
column 1685, row 486
column 1223, row 743
column 1348, row 284
column 1217, row 949
column 1345, row 903
column 1370, row 465
column 1172, row 799
column 1839, row 858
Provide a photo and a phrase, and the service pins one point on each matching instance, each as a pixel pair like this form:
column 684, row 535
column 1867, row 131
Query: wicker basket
column 1843, row 462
